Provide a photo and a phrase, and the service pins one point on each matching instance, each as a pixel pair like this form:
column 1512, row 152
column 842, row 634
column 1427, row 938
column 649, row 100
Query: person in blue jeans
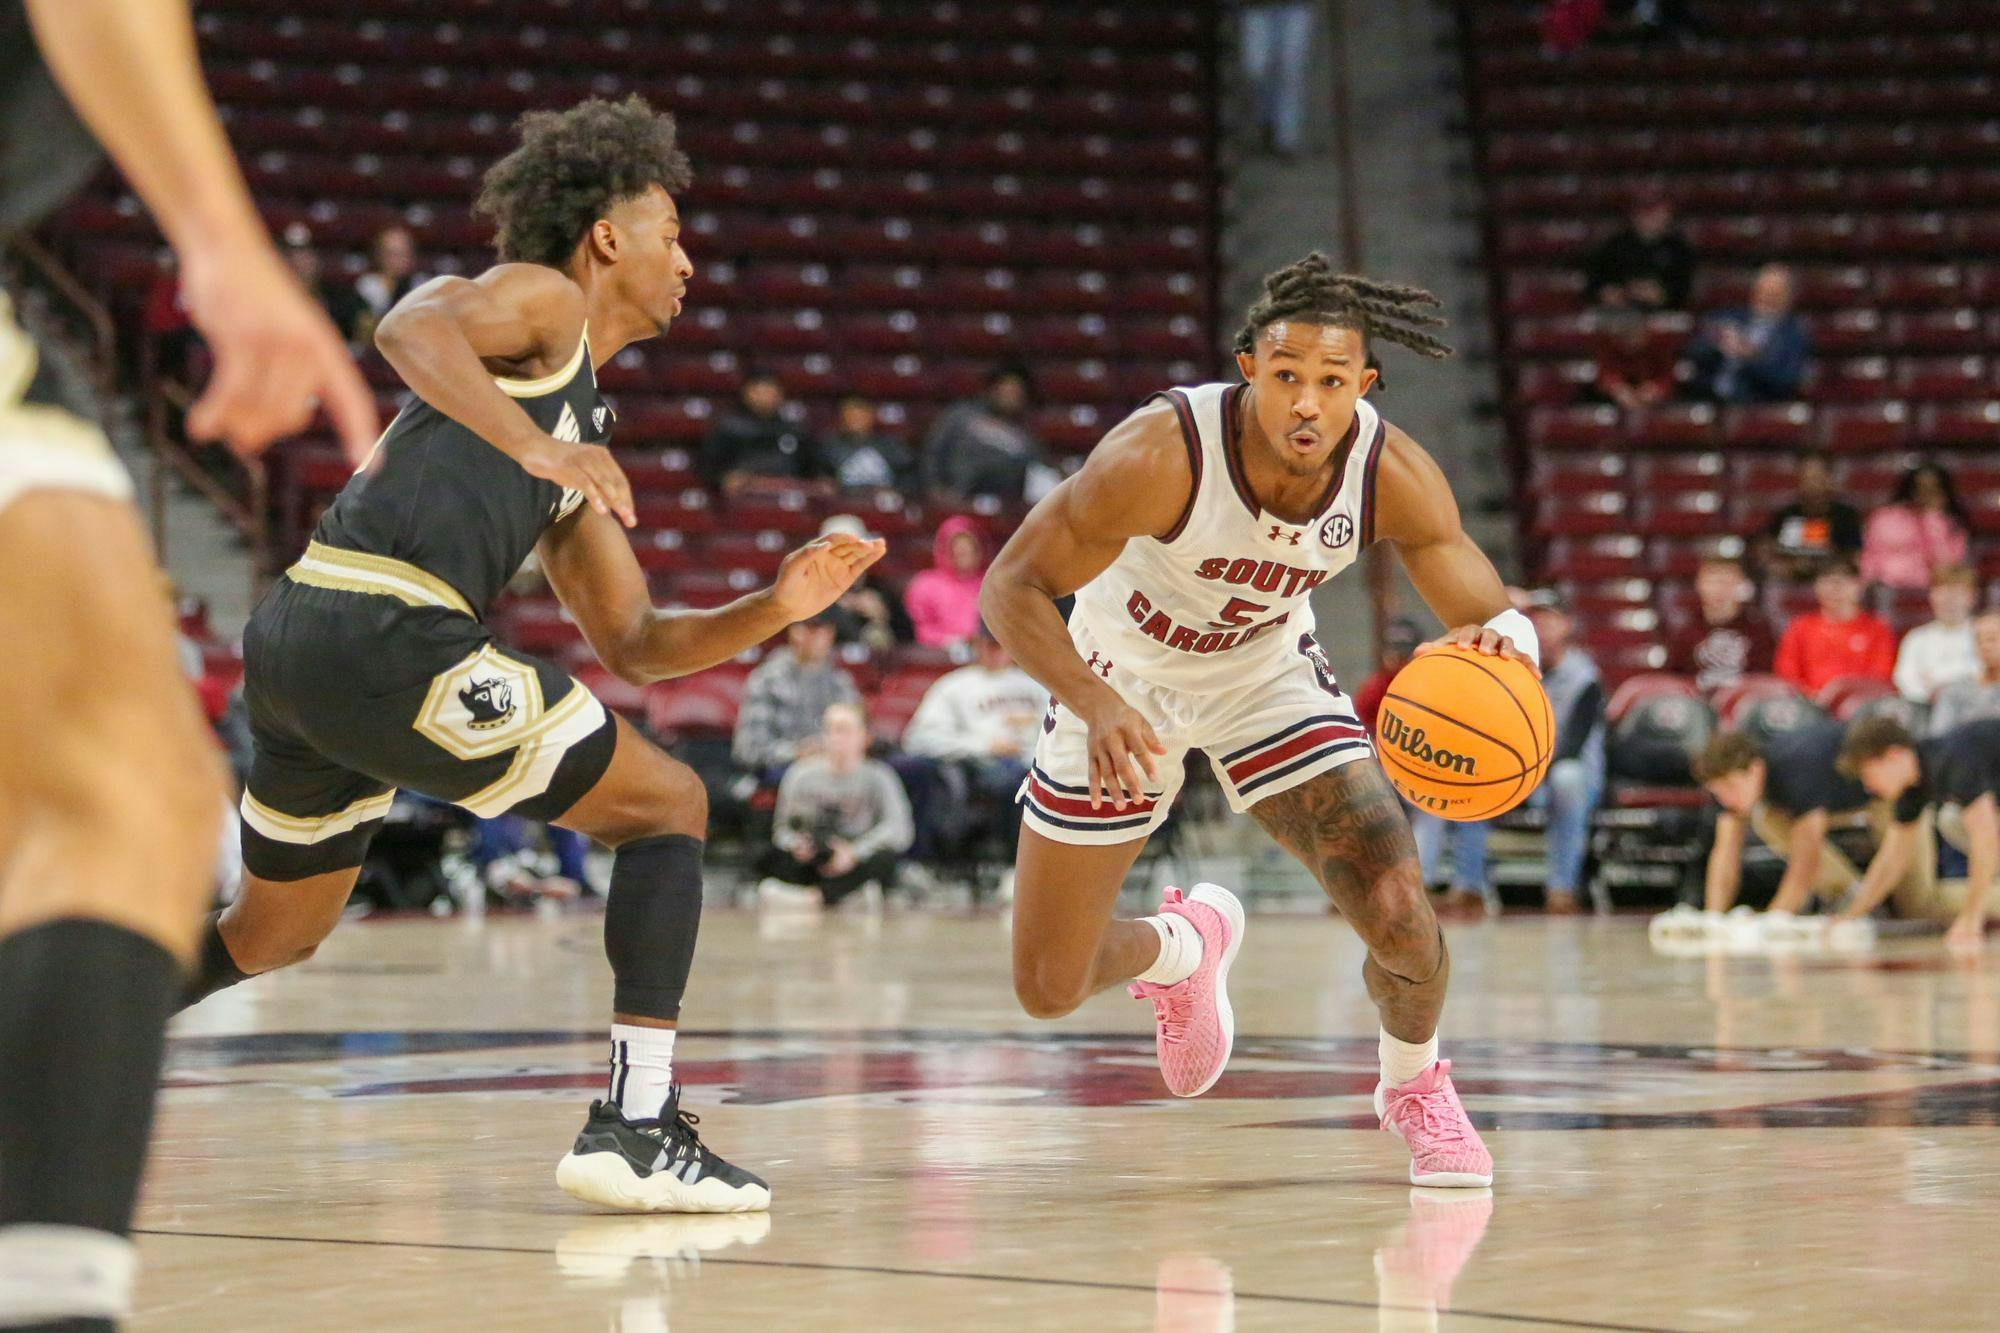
column 1569, row 794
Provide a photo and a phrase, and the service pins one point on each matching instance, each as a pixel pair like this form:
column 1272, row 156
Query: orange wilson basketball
column 1464, row 735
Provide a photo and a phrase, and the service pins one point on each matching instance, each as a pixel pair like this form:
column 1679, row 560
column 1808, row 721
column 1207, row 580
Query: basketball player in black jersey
column 368, row 667
column 109, row 784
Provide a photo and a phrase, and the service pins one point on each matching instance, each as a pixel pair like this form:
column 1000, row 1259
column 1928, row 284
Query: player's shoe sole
column 608, row 1180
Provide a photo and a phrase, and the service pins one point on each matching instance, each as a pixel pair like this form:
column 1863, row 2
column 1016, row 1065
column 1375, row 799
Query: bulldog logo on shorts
column 488, row 702
column 485, row 704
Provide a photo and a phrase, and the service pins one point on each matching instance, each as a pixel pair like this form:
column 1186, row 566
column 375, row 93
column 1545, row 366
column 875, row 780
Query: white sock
column 1404, row 1060
column 642, row 1069
column 50, row 1272
column 1180, row 949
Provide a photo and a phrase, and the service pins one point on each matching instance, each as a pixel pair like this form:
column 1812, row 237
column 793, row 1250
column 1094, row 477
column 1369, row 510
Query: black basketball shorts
column 364, row 674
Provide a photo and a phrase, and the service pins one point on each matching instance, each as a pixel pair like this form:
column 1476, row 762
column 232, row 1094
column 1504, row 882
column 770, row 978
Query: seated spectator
column 859, row 457
column 1753, row 355
column 1400, row 638
column 867, row 614
column 1839, row 639
column 1647, row 264
column 943, row 601
column 392, row 277
column 842, row 820
column 343, row 305
column 982, row 446
column 1814, row 528
column 1730, row 639
column 786, row 698
column 1958, row 774
column 969, row 744
column 755, row 439
column 1970, row 700
column 1633, row 371
column 1570, row 793
column 1941, row 652
column 1788, row 795
column 1921, row 528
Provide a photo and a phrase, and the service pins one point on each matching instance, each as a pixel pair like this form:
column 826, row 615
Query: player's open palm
column 1124, row 752
column 585, row 468
column 277, row 355
column 814, row 576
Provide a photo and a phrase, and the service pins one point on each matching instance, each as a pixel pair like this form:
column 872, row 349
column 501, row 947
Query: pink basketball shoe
column 1197, row 1028
column 1425, row 1113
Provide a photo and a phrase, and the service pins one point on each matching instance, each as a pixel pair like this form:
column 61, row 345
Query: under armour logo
column 1281, row 533
column 1101, row 665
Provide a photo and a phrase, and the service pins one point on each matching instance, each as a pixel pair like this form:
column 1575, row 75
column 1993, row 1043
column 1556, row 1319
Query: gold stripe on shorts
column 357, row 571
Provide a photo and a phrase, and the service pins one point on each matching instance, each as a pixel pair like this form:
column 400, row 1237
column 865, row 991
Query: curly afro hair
column 570, row 168
column 1314, row 292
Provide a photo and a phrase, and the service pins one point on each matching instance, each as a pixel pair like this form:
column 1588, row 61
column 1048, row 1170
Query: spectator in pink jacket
column 943, row 601
column 1922, row 528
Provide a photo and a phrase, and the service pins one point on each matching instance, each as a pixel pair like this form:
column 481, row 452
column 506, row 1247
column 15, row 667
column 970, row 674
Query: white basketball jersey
column 1224, row 596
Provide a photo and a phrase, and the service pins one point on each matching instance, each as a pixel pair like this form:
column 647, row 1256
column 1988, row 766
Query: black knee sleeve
column 83, row 1011
column 650, row 923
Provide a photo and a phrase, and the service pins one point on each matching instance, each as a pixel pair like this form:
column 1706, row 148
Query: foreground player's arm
column 1134, row 484
column 440, row 337
column 129, row 69
column 1725, row 864
column 1416, row 510
column 590, row 565
column 1802, row 852
column 1982, row 855
column 1885, row 871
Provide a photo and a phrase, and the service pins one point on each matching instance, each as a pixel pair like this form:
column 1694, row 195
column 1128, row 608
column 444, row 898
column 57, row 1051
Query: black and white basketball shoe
column 655, row 1166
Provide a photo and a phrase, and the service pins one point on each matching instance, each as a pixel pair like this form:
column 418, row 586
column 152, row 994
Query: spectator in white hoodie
column 975, row 732
column 1941, row 652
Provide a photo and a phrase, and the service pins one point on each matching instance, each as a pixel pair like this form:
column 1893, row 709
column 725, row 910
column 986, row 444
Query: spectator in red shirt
column 1400, row 638
column 1632, row 371
column 1730, row 639
column 1838, row 640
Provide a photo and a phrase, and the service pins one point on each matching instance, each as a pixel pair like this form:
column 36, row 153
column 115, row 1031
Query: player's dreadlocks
column 1311, row 292
column 573, row 165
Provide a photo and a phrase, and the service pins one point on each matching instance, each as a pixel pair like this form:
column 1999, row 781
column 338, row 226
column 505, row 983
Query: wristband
column 1522, row 631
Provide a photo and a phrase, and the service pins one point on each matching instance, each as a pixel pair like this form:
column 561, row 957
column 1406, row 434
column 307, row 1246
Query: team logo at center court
column 489, row 702
column 486, row 704
column 1336, row 532
column 1279, row 533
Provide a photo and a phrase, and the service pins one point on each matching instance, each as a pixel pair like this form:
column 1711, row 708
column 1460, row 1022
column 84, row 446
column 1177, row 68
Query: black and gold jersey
column 436, row 496
column 46, row 154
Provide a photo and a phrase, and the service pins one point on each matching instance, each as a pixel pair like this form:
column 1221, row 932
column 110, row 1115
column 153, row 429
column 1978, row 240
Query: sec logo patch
column 1336, row 532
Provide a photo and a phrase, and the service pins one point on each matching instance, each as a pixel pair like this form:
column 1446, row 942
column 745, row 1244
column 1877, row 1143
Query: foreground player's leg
column 639, row 1151
column 1067, row 947
column 1348, row 828
column 109, row 790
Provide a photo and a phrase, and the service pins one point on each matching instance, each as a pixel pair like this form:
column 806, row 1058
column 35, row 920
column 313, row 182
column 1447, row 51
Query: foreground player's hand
column 1482, row 639
column 1123, row 750
column 814, row 576
column 277, row 356
column 588, row 468
column 1967, row 933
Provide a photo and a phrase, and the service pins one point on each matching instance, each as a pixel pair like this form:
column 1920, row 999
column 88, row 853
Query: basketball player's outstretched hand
column 1122, row 749
column 277, row 356
column 588, row 468
column 1482, row 639
column 814, row 576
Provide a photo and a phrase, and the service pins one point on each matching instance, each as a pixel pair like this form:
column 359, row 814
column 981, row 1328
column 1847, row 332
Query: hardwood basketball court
column 368, row 1141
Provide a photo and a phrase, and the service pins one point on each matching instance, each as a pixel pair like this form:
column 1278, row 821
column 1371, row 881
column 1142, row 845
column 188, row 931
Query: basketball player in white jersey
column 1192, row 538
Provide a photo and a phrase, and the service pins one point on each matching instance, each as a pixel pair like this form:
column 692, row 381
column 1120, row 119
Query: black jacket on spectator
column 759, row 446
column 973, row 450
column 1626, row 256
column 869, row 462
